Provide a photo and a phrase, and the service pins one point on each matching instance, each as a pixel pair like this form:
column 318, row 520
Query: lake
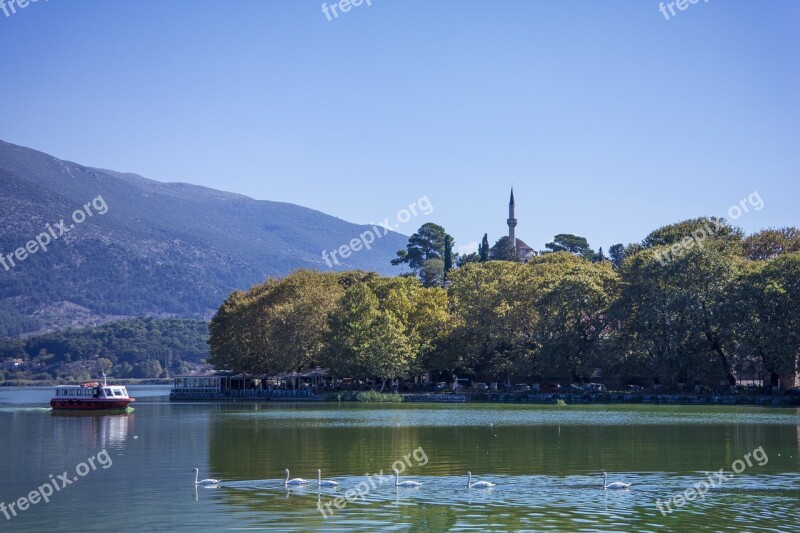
column 133, row 472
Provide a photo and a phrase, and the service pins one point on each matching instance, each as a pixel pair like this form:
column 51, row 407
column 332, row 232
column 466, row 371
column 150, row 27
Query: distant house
column 12, row 364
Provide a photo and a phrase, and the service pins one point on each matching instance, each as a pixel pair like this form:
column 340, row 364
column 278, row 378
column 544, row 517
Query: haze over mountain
column 162, row 249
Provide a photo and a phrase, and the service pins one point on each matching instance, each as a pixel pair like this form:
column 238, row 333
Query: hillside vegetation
column 139, row 348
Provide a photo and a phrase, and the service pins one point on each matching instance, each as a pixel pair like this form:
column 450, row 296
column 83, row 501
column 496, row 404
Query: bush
column 378, row 397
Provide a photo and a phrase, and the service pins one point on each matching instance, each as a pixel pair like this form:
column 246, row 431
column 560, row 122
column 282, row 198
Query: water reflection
column 92, row 429
column 547, row 465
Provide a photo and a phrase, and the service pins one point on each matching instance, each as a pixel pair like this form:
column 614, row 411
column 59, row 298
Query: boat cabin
column 91, row 390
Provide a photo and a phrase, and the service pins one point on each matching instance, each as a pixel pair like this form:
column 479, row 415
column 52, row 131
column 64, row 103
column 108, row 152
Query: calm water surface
column 546, row 462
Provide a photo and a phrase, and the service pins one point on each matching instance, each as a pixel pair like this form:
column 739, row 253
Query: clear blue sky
column 608, row 119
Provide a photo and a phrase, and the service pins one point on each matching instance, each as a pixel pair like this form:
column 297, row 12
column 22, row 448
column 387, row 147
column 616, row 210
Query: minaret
column 512, row 222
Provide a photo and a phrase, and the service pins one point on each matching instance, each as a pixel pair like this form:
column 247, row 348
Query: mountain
column 131, row 246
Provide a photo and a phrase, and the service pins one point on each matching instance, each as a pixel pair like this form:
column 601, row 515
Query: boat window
column 107, row 392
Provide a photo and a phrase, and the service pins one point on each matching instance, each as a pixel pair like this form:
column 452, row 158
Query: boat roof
column 87, row 385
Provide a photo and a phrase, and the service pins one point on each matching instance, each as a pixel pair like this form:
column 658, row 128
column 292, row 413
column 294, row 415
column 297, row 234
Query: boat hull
column 90, row 404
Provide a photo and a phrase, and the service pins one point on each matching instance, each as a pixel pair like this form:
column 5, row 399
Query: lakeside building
column 223, row 384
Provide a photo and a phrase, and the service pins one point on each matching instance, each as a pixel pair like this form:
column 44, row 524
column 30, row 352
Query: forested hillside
column 139, row 348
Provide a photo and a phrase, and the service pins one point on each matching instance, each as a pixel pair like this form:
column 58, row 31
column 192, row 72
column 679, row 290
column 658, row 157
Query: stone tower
column 512, row 222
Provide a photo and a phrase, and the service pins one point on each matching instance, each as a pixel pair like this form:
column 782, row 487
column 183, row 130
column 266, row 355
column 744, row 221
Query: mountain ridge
column 160, row 249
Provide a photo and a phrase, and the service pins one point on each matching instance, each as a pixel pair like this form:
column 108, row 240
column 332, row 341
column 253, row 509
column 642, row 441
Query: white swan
column 203, row 481
column 294, row 482
column 327, row 482
column 614, row 486
column 407, row 484
column 478, row 484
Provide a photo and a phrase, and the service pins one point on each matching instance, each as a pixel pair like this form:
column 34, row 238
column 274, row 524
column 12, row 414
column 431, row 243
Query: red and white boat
column 91, row 397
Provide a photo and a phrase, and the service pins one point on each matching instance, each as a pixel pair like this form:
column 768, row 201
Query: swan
column 203, row 481
column 615, row 485
column 478, row 484
column 327, row 482
column 295, row 481
column 407, row 484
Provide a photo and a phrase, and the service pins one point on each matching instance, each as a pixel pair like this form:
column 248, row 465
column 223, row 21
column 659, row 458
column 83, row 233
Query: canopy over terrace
column 308, row 378
column 248, row 381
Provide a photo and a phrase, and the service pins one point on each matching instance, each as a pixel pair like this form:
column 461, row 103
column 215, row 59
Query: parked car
column 574, row 387
column 634, row 388
column 521, row 387
column 550, row 387
column 440, row 386
column 594, row 387
column 481, row 387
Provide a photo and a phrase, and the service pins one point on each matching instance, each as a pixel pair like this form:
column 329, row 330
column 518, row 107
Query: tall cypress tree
column 483, row 249
column 448, row 254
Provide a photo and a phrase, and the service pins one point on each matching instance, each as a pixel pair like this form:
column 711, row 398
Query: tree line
column 672, row 309
column 135, row 348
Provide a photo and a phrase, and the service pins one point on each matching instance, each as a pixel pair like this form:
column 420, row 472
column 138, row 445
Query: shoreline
column 56, row 383
column 766, row 400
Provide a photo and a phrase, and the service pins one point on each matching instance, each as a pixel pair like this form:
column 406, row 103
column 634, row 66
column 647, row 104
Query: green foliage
column 366, row 339
column 483, row 249
column 703, row 315
column 378, row 397
column 427, row 243
column 277, row 326
column 617, row 254
column 766, row 312
column 567, row 242
column 448, row 254
column 149, row 368
column 13, row 322
column 432, row 272
column 770, row 243
column 504, row 250
column 468, row 258
column 128, row 348
column 699, row 228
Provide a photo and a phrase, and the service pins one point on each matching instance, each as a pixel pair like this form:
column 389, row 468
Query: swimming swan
column 327, row 482
column 294, row 482
column 203, row 481
column 613, row 486
column 478, row 484
column 408, row 484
